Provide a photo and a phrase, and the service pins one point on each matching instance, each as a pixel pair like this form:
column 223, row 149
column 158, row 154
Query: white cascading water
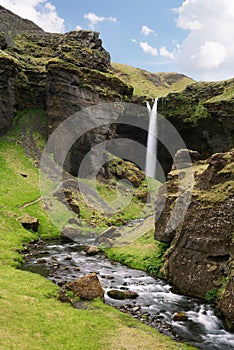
column 151, row 152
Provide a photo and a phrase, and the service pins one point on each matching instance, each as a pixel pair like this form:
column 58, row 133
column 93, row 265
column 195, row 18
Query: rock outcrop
column 59, row 74
column 62, row 73
column 200, row 258
column 203, row 115
column 11, row 24
column 29, row 222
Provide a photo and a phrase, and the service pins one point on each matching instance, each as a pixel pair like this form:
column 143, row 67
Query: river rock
column 92, row 250
column 180, row 316
column 70, row 234
column 29, row 222
column 120, row 294
column 87, row 287
column 107, row 236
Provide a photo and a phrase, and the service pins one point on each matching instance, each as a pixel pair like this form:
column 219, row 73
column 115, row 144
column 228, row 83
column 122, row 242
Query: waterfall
column 151, row 152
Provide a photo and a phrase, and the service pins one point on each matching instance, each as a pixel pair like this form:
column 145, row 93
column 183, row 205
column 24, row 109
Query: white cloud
column 95, row 20
column 148, row 49
column 146, row 30
column 211, row 55
column 208, row 51
column 165, row 53
column 78, row 28
column 41, row 12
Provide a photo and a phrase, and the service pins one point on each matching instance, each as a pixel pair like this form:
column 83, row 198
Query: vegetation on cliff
column 149, row 84
column 44, row 79
column 203, row 243
column 29, row 305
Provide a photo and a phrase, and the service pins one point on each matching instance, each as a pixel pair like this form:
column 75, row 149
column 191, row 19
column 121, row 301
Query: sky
column 194, row 37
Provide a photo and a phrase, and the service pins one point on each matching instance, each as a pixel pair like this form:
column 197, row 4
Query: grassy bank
column 31, row 316
column 143, row 254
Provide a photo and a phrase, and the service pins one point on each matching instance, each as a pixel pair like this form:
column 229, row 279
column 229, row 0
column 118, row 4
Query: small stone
column 180, row 316
column 109, row 277
column 120, row 295
column 68, row 257
column 136, row 308
column 92, row 250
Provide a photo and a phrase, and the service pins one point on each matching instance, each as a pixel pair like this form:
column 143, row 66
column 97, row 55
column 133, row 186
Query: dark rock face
column 11, row 24
column 3, row 42
column 59, row 74
column 203, row 115
column 201, row 254
column 8, row 73
column 226, row 304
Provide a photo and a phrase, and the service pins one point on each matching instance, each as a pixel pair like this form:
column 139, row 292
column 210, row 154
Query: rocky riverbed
column 156, row 304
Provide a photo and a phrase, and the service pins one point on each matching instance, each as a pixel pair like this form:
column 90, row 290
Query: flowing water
column 156, row 303
column 151, row 152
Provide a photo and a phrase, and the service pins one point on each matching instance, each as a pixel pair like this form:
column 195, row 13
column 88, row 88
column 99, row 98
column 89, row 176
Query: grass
column 228, row 93
column 17, row 190
column 150, row 84
column 144, row 254
column 31, row 316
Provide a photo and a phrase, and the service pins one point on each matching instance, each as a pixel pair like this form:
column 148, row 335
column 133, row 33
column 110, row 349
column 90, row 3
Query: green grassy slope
column 31, row 317
column 151, row 84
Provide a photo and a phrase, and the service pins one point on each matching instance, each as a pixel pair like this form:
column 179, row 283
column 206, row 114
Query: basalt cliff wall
column 200, row 257
column 56, row 73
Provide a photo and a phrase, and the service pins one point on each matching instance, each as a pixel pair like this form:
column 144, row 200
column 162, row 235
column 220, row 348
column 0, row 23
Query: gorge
column 44, row 79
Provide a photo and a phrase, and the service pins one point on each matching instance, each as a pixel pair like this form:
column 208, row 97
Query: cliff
column 47, row 77
column 203, row 114
column 58, row 74
column 200, row 258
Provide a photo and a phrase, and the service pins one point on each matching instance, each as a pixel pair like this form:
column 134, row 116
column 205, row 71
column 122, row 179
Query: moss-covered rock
column 201, row 253
column 203, row 115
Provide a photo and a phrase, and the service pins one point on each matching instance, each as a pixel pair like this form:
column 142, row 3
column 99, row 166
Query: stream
column 155, row 305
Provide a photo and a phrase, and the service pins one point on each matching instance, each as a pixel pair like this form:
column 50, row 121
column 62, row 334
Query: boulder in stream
column 70, row 234
column 92, row 250
column 180, row 316
column 87, row 287
column 120, row 294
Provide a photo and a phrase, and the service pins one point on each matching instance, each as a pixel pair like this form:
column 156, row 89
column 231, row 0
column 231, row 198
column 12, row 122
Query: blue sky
column 194, row 37
column 123, row 37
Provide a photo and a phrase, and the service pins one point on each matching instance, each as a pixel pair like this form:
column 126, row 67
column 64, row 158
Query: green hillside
column 151, row 84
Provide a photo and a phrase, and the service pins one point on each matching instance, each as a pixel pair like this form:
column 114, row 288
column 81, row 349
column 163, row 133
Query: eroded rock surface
column 201, row 254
